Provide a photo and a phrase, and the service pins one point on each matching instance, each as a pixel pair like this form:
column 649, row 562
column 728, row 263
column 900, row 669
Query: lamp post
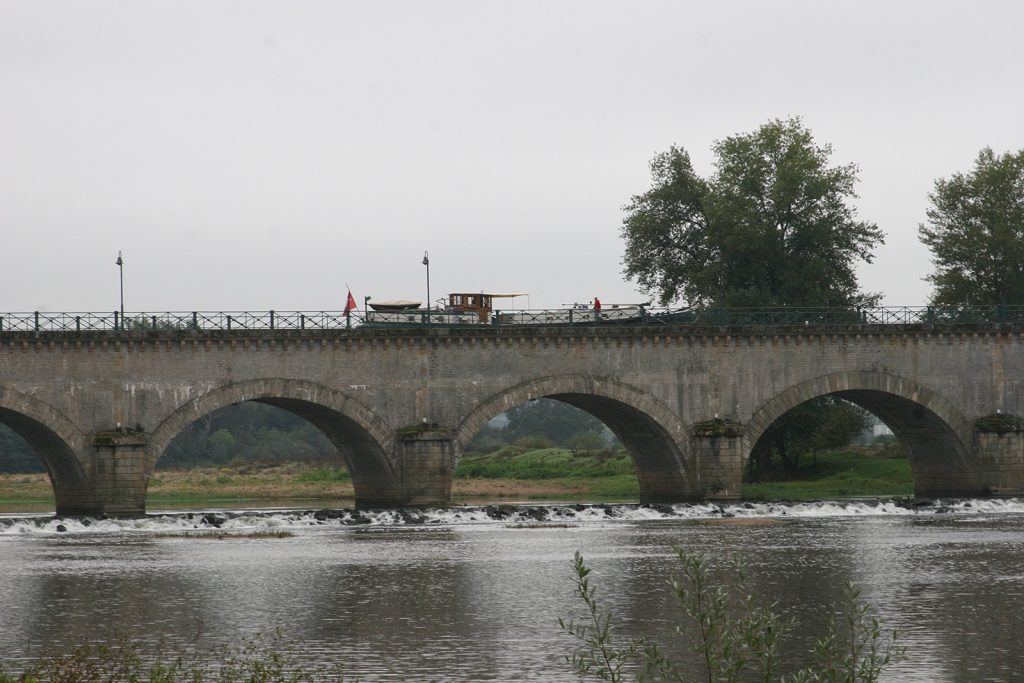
column 426, row 262
column 120, row 268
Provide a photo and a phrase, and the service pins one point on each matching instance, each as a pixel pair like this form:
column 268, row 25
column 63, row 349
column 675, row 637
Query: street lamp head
column 120, row 269
column 426, row 262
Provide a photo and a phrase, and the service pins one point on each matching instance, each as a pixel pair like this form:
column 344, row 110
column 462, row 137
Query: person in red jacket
column 597, row 310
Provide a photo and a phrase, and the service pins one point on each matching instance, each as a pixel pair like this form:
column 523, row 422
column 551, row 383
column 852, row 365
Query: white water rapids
column 251, row 521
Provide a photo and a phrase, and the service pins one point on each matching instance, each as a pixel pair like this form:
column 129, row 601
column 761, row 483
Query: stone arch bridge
column 100, row 407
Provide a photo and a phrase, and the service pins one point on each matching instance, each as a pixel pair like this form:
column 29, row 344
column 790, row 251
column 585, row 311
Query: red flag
column 351, row 303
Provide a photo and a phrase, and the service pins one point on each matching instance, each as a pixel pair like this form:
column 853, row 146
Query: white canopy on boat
column 394, row 305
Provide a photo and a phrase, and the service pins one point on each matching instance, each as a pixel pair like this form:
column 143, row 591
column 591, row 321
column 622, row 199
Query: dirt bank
column 289, row 481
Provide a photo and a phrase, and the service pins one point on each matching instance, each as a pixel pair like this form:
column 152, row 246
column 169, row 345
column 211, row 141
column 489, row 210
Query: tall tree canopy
column 16, row 455
column 773, row 226
column 558, row 421
column 976, row 233
column 816, row 425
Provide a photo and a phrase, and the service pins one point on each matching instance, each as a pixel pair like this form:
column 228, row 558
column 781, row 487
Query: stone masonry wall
column 386, row 379
column 1001, row 460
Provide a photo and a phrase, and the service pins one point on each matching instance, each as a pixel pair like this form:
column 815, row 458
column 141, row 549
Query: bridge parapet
column 422, row 337
column 638, row 316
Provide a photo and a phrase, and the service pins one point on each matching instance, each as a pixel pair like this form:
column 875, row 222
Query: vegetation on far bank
column 511, row 472
column 863, row 472
column 523, row 462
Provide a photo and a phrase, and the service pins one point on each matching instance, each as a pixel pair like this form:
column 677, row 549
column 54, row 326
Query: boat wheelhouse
column 480, row 303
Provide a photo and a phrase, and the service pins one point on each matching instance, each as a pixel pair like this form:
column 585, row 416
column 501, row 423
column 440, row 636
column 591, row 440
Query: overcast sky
column 256, row 155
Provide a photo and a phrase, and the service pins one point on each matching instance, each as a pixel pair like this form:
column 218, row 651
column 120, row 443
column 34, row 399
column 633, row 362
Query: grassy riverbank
column 509, row 474
column 839, row 474
column 857, row 472
column 304, row 482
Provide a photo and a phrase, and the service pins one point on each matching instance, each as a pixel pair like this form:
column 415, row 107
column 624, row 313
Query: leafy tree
column 489, row 439
column 819, row 424
column 221, row 445
column 556, row 420
column 586, row 441
column 975, row 232
column 16, row 456
column 773, row 226
column 250, row 431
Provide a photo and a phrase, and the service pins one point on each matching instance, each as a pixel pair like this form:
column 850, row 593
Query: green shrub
column 733, row 639
column 534, row 442
column 586, row 441
column 325, row 475
column 508, row 452
column 486, row 444
column 513, row 462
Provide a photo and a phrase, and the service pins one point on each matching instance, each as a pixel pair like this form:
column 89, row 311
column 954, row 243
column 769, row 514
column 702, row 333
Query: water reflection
column 480, row 602
column 951, row 586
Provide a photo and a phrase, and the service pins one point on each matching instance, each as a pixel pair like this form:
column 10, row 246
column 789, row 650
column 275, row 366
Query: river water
column 474, row 594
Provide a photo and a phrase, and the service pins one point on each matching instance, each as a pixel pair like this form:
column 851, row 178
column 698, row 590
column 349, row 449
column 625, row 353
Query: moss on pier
column 718, row 427
column 999, row 423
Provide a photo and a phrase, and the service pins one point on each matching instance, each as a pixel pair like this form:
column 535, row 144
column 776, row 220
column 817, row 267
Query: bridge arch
column 650, row 430
column 59, row 443
column 363, row 438
column 935, row 433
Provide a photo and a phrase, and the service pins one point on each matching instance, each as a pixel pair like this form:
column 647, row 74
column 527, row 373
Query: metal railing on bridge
column 41, row 321
column 874, row 315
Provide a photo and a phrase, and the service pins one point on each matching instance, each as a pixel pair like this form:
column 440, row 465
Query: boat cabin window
column 471, row 302
column 467, row 302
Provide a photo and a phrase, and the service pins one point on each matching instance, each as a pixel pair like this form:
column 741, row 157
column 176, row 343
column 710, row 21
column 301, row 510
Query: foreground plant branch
column 731, row 639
